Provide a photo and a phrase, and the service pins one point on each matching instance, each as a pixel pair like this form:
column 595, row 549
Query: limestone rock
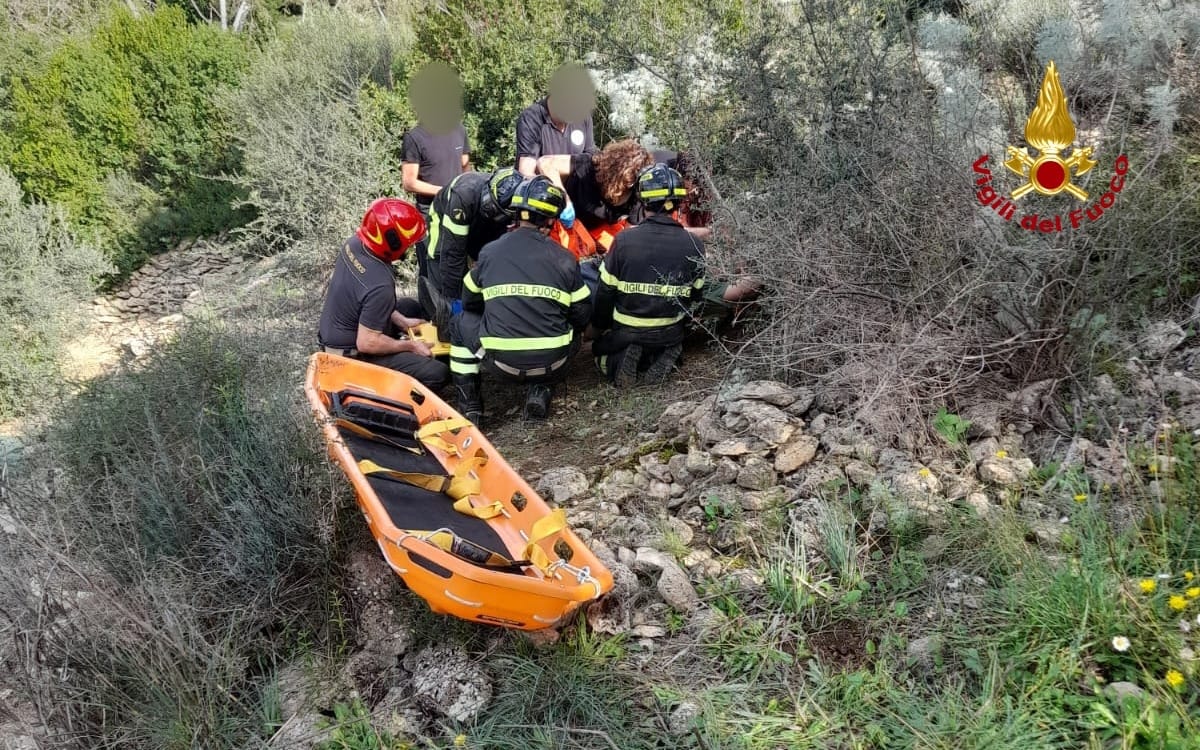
column 762, row 500
column 673, row 584
column 1160, row 338
column 770, row 391
column 796, row 453
column 1005, row 472
column 677, row 418
column 395, row 715
column 979, row 503
column 683, row 718
column 860, row 474
column 651, row 466
column 445, row 681
column 756, row 474
column 732, row 447
column 562, row 484
column 1122, row 691
column 301, row 732
column 677, row 465
column 380, row 630
column 699, row 463
column 924, row 651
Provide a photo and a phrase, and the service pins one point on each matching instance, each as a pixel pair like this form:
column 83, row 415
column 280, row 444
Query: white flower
column 1186, row 626
column 1163, row 576
column 1120, row 643
column 1198, row 619
column 1187, row 654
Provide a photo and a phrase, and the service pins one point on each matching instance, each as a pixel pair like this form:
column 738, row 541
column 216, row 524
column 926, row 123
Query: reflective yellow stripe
column 497, row 344
column 469, row 281
column 636, row 322
column 535, row 203
column 663, row 192
column 458, row 367
column 607, row 277
column 461, row 352
column 581, row 294
column 526, row 290
column 435, row 228
column 653, row 290
column 698, row 283
column 456, row 228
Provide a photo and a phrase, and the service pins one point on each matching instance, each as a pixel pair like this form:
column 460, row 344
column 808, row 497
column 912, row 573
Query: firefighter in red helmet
column 362, row 317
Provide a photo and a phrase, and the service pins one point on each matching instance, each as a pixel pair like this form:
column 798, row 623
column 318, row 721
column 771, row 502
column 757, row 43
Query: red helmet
column 390, row 227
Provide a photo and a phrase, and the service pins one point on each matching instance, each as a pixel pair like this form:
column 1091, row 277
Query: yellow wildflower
column 1188, row 575
column 1154, row 468
column 460, row 740
column 1177, row 602
column 1001, row 454
column 1193, row 592
column 1081, row 498
column 1148, row 585
column 1174, row 678
column 924, row 472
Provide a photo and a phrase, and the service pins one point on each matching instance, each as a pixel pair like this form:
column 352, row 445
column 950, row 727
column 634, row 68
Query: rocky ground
column 673, row 494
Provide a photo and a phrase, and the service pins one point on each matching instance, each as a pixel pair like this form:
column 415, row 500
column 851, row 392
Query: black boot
column 662, row 366
column 537, row 401
column 435, row 306
column 470, row 402
column 626, row 374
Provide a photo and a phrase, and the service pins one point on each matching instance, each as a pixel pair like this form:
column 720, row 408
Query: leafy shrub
column 135, row 97
column 841, row 143
column 46, row 273
column 313, row 156
column 196, row 506
column 504, row 67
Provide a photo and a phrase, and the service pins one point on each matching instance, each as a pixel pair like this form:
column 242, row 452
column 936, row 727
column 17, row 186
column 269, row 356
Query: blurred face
column 572, row 94
column 436, row 96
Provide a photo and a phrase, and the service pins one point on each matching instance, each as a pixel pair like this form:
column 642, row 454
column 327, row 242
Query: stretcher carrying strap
column 460, row 485
column 431, row 434
column 376, row 418
column 544, row 528
column 447, row 541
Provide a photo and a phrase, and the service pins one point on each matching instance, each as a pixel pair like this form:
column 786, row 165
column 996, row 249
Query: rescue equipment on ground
column 459, row 526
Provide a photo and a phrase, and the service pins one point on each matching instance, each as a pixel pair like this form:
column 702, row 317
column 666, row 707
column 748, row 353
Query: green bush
column 46, row 273
column 315, row 151
column 197, row 505
column 504, row 67
column 134, row 97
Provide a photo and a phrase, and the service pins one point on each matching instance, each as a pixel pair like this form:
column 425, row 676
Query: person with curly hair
column 600, row 185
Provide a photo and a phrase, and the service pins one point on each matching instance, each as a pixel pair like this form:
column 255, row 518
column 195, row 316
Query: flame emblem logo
column 1050, row 130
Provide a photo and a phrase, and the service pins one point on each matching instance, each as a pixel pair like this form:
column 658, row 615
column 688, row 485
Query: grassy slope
column 975, row 634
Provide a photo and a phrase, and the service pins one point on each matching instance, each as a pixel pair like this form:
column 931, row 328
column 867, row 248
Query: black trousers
column 464, row 344
column 610, row 347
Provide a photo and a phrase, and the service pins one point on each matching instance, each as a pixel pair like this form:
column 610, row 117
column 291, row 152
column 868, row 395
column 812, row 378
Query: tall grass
column 183, row 551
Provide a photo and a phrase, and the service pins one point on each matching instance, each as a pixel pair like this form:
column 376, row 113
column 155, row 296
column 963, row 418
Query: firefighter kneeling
column 649, row 280
column 524, row 306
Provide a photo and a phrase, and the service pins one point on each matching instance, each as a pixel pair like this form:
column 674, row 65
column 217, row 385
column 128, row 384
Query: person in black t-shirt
column 431, row 161
column 437, row 150
column 559, row 124
column 361, row 317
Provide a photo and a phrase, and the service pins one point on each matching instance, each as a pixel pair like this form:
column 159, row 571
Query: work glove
column 455, row 306
column 567, row 217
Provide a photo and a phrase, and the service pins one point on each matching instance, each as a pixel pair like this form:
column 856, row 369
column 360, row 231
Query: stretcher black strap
column 376, row 418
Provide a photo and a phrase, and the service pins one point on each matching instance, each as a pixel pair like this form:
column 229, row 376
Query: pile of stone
column 168, row 282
